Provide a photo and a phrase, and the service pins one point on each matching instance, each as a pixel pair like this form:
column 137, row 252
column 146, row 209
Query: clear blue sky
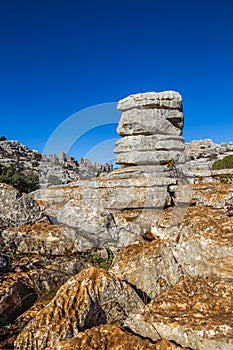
column 60, row 56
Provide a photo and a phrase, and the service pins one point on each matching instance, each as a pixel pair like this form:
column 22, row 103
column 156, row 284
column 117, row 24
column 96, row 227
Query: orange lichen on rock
column 91, row 298
column 111, row 337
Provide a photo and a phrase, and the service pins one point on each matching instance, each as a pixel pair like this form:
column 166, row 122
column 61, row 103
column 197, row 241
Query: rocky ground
column 140, row 258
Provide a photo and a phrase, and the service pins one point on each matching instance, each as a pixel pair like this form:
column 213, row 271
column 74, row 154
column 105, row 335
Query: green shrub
column 54, row 180
column 225, row 163
column 22, row 181
column 2, row 138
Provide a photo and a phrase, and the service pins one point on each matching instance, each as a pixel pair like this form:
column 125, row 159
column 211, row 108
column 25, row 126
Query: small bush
column 2, row 138
column 22, row 181
column 225, row 163
column 54, row 180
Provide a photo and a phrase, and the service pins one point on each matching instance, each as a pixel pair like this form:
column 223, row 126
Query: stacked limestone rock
column 151, row 125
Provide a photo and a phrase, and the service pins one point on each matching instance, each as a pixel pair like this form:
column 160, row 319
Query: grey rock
column 151, row 121
column 17, row 209
column 150, row 157
column 150, row 143
column 164, row 99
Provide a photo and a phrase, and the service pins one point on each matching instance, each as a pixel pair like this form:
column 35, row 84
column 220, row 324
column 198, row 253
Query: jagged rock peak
column 165, row 99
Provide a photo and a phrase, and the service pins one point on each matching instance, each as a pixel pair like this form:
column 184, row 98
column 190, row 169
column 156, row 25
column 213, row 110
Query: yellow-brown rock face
column 41, row 238
column 196, row 313
column 91, row 298
column 150, row 267
column 111, row 337
column 203, row 241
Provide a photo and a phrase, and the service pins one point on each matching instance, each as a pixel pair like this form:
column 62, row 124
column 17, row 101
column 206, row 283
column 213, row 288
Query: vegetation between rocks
column 225, row 163
column 22, row 181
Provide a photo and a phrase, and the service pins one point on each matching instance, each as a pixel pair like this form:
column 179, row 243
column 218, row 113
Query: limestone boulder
column 150, row 267
column 111, row 337
column 41, row 238
column 146, row 191
column 17, row 209
column 202, row 242
column 213, row 195
column 19, row 290
column 147, row 150
column 96, row 227
column 150, row 143
column 149, row 157
column 91, row 298
column 196, row 313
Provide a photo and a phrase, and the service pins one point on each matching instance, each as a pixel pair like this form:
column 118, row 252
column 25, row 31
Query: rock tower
column 151, row 125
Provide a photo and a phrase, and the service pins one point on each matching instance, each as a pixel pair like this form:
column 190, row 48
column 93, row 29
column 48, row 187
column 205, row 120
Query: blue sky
column 58, row 57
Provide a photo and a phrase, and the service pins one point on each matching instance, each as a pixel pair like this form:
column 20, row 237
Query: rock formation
column 89, row 299
column 111, row 337
column 162, row 228
column 196, row 313
column 17, row 209
column 52, row 169
column 150, row 125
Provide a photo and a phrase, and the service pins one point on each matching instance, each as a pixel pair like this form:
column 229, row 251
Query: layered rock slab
column 92, row 212
column 151, row 149
column 196, row 313
column 165, row 99
column 91, row 298
column 154, row 121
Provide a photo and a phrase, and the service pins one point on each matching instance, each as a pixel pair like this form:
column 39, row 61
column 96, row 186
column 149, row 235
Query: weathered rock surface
column 152, row 149
column 110, row 337
column 91, row 298
column 196, row 313
column 150, row 143
column 151, row 268
column 208, row 234
column 96, row 226
column 17, row 209
column 154, row 121
column 32, row 278
column 151, row 124
column 41, row 238
column 217, row 195
column 164, row 99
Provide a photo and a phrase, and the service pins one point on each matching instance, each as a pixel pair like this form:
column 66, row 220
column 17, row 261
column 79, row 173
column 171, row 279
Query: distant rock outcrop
column 52, row 169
